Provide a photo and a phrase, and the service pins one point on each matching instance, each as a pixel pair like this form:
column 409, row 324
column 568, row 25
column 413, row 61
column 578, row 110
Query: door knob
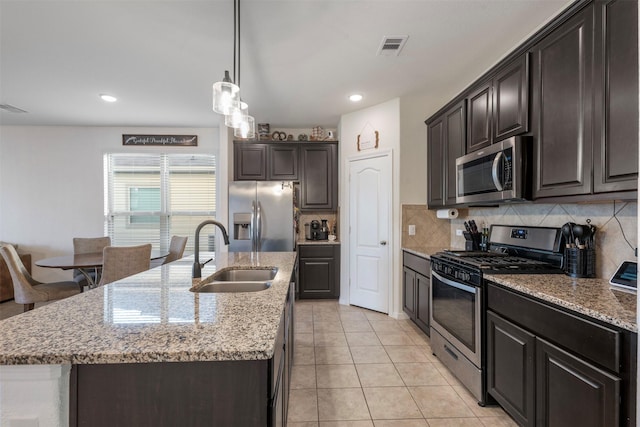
column 383, row 242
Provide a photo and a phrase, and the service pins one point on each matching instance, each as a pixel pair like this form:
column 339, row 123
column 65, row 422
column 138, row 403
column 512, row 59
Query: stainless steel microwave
column 498, row 173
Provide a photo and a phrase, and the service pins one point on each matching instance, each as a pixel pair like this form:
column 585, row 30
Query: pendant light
column 226, row 95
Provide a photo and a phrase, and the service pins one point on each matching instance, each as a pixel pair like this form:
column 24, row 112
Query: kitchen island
column 147, row 351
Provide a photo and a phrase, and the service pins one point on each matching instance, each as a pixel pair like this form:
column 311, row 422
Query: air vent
column 392, row 45
column 11, row 108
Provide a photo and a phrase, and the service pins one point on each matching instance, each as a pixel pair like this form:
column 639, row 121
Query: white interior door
column 370, row 238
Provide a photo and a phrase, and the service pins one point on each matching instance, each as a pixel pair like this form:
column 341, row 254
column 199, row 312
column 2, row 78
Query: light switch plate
column 459, row 232
column 412, row 230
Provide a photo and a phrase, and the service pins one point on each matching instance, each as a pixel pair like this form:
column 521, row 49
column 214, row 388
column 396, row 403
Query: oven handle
column 494, row 172
column 466, row 288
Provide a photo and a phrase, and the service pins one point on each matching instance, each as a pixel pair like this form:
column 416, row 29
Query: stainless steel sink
column 245, row 275
column 233, row 287
column 237, row 279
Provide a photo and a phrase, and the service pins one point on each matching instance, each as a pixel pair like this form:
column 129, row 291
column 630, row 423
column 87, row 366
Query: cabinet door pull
column 448, row 350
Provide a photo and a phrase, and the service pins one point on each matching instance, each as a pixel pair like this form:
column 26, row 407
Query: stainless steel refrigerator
column 260, row 216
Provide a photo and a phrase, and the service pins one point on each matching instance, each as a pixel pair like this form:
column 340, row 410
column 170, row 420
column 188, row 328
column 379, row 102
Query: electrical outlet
column 459, row 232
column 412, row 230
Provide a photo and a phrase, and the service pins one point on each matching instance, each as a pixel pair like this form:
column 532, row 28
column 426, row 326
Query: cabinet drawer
column 416, row 263
column 316, row 251
column 588, row 339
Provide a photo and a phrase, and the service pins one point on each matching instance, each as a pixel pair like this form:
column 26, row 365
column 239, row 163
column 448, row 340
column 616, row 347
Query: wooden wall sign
column 368, row 139
column 172, row 140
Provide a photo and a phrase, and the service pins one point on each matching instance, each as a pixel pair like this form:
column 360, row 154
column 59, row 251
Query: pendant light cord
column 235, row 40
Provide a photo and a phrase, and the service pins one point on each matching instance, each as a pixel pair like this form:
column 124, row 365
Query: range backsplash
column 611, row 246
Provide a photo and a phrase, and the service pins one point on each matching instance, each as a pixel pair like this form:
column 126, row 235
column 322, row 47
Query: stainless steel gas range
column 458, row 300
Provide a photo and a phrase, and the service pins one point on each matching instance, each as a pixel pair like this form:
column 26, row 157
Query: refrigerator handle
column 259, row 227
column 253, row 226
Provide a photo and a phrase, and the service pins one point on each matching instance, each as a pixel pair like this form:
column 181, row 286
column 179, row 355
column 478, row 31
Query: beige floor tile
column 395, row 338
column 440, row 402
column 356, row 326
column 418, row 337
column 454, row 422
column 406, row 354
column 400, row 423
column 342, row 404
column 303, row 405
column 360, row 423
column 352, row 316
column 428, row 352
column 326, row 316
column 415, row 374
column 505, row 421
column 330, row 339
column 302, row 340
column 385, row 325
column 304, row 356
column 333, row 356
column 472, row 403
column 388, row 403
column 379, row 375
column 337, row 376
column 369, row 354
column 362, row 338
column 374, row 315
column 351, row 308
column 327, row 327
column 303, row 327
column 303, row 376
column 302, row 424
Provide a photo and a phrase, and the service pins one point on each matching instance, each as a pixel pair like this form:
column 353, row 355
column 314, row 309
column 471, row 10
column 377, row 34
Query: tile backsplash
column 616, row 235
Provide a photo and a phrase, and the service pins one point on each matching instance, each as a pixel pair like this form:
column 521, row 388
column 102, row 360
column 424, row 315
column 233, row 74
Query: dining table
column 85, row 262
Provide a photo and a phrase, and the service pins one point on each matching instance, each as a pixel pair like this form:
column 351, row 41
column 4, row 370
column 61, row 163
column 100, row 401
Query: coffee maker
column 324, row 230
column 316, row 231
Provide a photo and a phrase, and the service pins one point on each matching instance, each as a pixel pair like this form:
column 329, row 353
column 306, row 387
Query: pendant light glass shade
column 226, row 95
column 247, row 129
column 236, row 116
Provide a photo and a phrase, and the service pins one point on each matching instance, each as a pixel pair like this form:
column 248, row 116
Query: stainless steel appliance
column 458, row 303
column 260, row 216
column 497, row 173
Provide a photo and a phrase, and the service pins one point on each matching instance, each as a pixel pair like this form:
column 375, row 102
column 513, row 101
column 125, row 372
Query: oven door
column 456, row 313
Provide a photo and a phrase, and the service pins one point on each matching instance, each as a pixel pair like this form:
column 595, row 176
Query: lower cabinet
column 416, row 287
column 548, row 367
column 319, row 271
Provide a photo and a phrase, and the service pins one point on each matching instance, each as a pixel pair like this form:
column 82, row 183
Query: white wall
column 385, row 118
column 51, row 183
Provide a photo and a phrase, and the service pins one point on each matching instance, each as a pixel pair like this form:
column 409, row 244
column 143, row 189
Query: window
column 151, row 197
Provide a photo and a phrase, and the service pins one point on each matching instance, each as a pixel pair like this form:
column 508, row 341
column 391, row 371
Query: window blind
column 151, row 197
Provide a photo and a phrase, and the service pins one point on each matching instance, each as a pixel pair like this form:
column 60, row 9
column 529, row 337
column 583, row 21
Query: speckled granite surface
column 424, row 251
column 591, row 297
column 153, row 317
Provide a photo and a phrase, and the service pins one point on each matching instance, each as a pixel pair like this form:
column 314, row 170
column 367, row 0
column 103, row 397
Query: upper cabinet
column 249, row 162
column 318, row 177
column 615, row 163
column 446, row 136
column 283, row 162
column 499, row 106
column 562, row 96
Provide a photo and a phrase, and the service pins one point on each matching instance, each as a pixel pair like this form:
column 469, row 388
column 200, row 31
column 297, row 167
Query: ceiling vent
column 11, row 108
column 392, row 45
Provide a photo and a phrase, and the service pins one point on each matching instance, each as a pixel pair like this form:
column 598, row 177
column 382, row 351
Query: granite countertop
column 591, row 297
column 153, row 317
column 317, row 242
column 424, row 251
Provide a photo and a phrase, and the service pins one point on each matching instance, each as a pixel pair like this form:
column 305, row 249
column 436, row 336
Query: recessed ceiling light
column 356, row 97
column 108, row 98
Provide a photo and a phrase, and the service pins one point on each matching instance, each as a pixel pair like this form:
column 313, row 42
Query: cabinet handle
column 451, row 353
column 383, row 243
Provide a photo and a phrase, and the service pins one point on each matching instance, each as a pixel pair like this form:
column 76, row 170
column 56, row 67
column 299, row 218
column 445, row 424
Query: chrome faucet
column 197, row 267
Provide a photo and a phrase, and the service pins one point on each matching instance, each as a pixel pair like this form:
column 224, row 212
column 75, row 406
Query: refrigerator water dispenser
column 242, row 226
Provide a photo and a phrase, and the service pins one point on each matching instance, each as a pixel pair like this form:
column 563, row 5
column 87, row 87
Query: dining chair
column 176, row 248
column 88, row 245
column 27, row 290
column 119, row 262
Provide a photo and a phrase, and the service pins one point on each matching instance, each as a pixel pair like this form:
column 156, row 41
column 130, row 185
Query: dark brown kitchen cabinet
column 499, row 107
column 318, row 177
column 547, row 366
column 319, row 271
column 283, row 162
column 511, row 368
column 615, row 162
column 250, row 162
column 446, row 141
column 562, row 100
column 416, row 287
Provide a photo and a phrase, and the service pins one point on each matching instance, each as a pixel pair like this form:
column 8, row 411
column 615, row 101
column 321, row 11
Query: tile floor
column 359, row 368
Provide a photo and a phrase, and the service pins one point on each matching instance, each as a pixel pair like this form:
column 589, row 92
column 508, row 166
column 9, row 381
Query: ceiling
column 300, row 59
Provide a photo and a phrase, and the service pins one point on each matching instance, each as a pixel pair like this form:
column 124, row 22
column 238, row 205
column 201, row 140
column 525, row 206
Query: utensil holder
column 580, row 262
